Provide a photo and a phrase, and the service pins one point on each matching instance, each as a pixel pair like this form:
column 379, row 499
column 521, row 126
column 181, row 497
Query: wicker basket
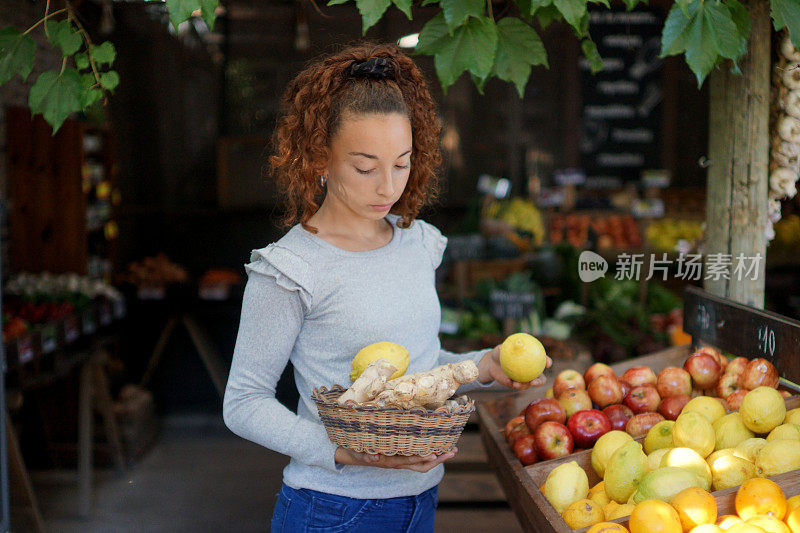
column 390, row 431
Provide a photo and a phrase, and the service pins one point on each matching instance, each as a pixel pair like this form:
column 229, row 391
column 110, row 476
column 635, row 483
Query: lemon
column 598, row 494
column 711, row 408
column 717, row 454
column 777, row 457
column 762, row 409
column 583, row 513
column 693, row 430
column 730, row 431
column 688, row 459
column 605, row 447
column 749, row 448
column 659, row 436
column 566, row 484
column 609, row 508
column 785, row 432
column 621, row 511
column 522, row 357
column 654, row 459
column 624, row 470
column 663, row 484
column 793, row 417
column 394, row 353
column 729, row 471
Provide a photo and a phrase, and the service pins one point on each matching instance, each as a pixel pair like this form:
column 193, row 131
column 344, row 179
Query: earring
column 322, row 181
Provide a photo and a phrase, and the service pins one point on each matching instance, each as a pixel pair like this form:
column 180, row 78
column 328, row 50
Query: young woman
column 360, row 133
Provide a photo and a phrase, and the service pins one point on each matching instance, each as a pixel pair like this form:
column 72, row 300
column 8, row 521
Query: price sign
column 506, row 304
column 766, row 341
column 71, row 330
column 570, row 176
column 464, row 247
column 49, row 341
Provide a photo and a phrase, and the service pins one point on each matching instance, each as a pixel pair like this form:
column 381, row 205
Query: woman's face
column 370, row 163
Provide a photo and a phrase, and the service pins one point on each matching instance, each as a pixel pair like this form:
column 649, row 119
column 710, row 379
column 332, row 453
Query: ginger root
column 369, row 383
column 427, row 389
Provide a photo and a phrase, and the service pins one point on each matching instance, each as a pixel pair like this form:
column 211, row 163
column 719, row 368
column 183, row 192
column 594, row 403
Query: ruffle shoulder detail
column 433, row 241
column 289, row 270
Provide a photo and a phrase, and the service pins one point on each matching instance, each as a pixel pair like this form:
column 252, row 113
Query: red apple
column 525, row 450
column 639, row 425
column 704, row 369
column 516, row 428
column 552, row 440
column 597, row 370
column 625, row 387
column 760, row 373
column 605, row 390
column 721, row 359
column 671, row 406
column 542, row 410
column 643, row 399
column 727, row 385
column 567, row 379
column 640, row 375
column 588, row 426
column 673, row 381
column 618, row 414
column 734, row 400
column 574, row 400
column 737, row 366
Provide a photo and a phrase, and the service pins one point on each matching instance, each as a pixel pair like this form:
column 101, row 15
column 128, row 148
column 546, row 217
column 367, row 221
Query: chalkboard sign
column 506, row 304
column 743, row 330
column 621, row 120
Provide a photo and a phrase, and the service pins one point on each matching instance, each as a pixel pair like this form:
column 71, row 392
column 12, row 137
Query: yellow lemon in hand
column 522, row 357
column 394, row 353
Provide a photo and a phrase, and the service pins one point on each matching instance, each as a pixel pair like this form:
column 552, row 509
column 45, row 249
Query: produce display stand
column 735, row 328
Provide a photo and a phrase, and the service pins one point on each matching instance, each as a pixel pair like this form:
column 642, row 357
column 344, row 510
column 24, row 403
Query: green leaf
column 456, row 12
column 16, row 54
column 181, row 10
column 547, row 15
column 603, row 2
column 472, row 47
column 62, row 33
column 56, row 96
column 684, row 5
column 90, row 96
column 104, row 54
column 404, row 6
column 786, row 14
column 742, row 20
column 530, row 7
column 590, row 52
column 433, row 36
column 582, row 29
column 88, row 81
column 573, row 11
column 82, row 60
column 518, row 49
column 429, row 2
column 480, row 83
column 371, row 12
column 337, row 2
column 208, row 11
column 109, row 80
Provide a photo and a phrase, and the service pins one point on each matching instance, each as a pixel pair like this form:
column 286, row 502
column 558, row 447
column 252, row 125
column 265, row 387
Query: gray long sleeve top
column 316, row 305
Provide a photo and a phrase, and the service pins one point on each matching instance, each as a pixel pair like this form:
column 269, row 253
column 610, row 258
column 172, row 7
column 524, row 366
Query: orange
column 728, row 520
column 707, row 528
column 583, row 513
column 745, row 528
column 654, row 516
column 607, row 527
column 759, row 496
column 769, row 524
column 793, row 520
column 695, row 506
column 792, row 504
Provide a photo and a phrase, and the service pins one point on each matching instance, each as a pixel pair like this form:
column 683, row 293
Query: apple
column 704, row 369
column 727, row 385
column 640, row 375
column 597, row 370
column 785, row 393
column 552, row 440
column 574, row 400
column 734, row 400
column 542, row 410
column 568, row 379
column 588, row 426
column 525, row 450
column 549, row 393
column 640, row 424
column 671, row 406
column 760, row 373
column 673, row 381
column 737, row 366
column 605, row 390
column 644, row 399
column 721, row 359
column 515, row 428
column 625, row 387
column 618, row 414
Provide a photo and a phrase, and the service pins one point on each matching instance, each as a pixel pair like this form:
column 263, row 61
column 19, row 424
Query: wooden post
column 736, row 210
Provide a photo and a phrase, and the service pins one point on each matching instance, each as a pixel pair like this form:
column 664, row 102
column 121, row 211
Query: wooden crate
column 707, row 318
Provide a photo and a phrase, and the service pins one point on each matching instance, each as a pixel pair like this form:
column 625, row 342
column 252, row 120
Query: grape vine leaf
column 55, row 95
column 104, row 53
column 547, row 15
column 90, row 93
column 109, row 80
column 518, row 49
column 181, row 10
column 573, row 11
column 630, row 4
column 16, row 54
column 404, row 6
column 371, row 12
column 707, row 34
column 472, row 48
column 432, row 36
column 81, row 60
column 786, row 14
column 62, row 33
column 456, row 12
column 590, row 52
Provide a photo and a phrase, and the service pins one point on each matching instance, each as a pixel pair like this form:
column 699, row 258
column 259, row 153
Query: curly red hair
column 313, row 106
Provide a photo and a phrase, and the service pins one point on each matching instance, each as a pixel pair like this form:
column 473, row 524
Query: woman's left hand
column 489, row 369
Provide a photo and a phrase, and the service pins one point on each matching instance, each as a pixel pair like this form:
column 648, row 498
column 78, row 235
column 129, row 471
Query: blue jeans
column 305, row 510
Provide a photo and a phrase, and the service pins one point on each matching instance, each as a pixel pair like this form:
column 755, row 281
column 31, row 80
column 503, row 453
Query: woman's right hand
column 415, row 462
